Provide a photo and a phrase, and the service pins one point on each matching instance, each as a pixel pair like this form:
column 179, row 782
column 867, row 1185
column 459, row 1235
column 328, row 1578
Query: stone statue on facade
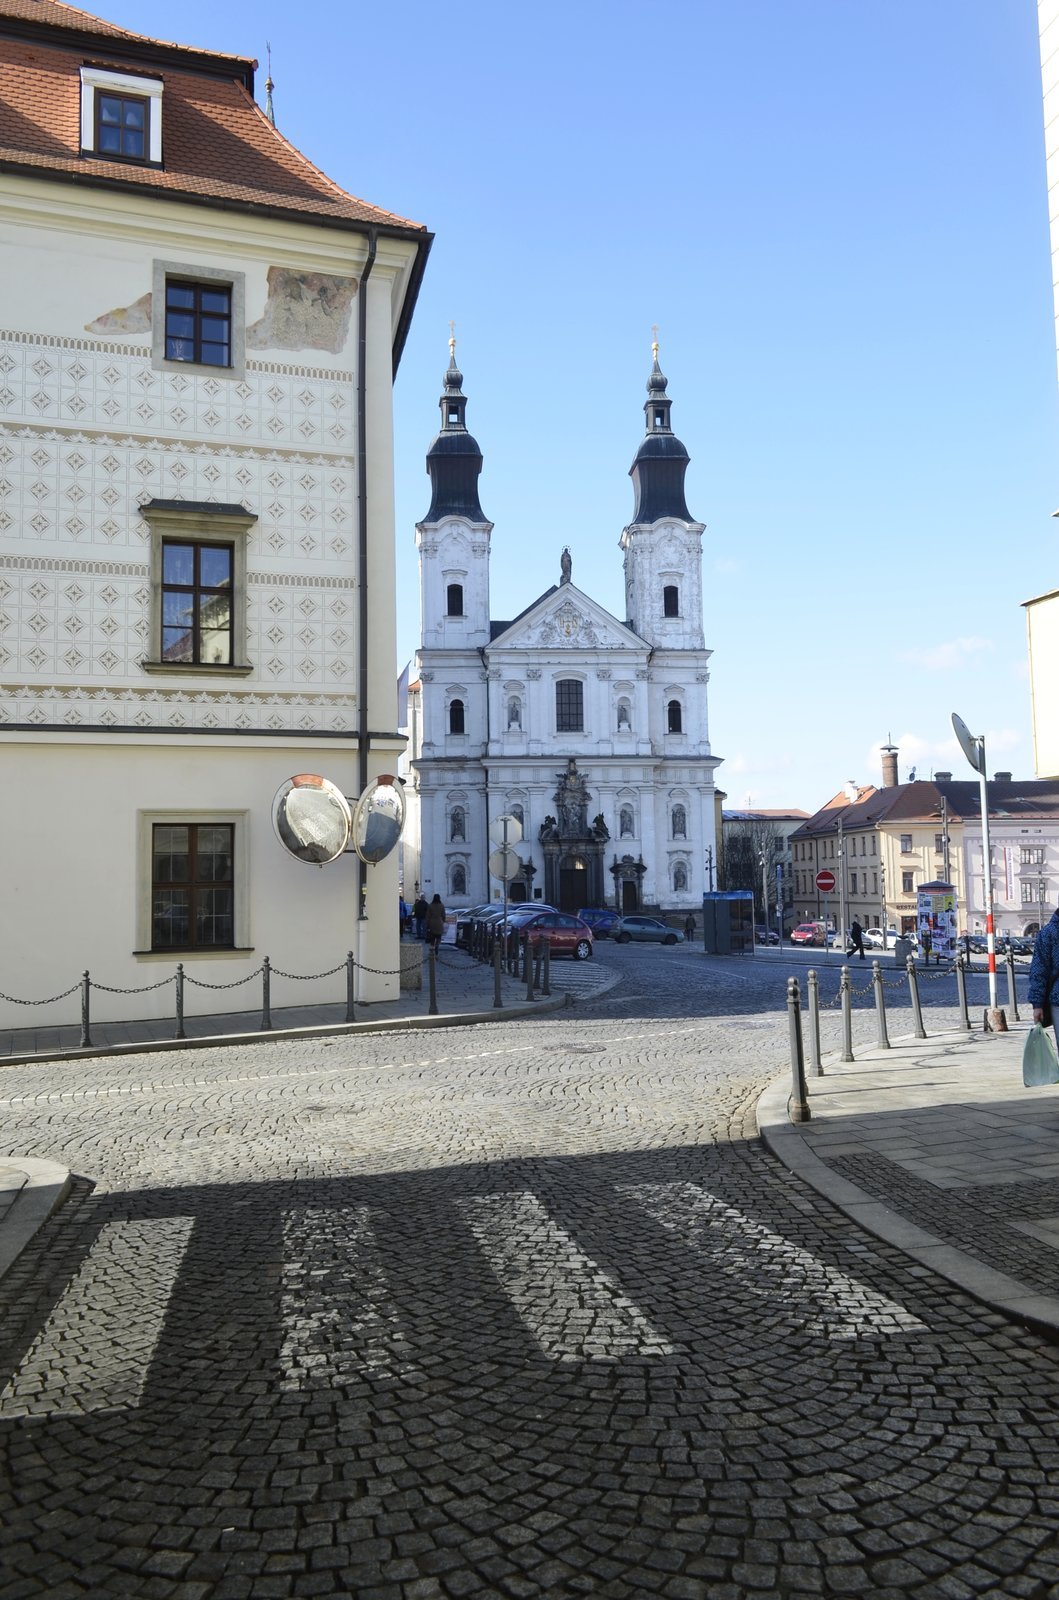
column 600, row 830
column 547, row 830
column 571, row 799
column 565, row 564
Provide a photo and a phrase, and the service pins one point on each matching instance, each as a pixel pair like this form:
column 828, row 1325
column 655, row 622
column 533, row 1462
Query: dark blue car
column 604, row 923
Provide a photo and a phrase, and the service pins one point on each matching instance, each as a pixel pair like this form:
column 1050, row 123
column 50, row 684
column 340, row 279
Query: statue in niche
column 571, row 798
column 565, row 564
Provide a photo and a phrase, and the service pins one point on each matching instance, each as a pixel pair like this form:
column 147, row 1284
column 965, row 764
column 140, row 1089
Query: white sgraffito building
column 197, row 343
column 590, row 729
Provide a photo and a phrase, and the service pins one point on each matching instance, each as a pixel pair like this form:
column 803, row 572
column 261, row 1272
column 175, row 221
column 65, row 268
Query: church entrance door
column 573, row 885
column 630, row 901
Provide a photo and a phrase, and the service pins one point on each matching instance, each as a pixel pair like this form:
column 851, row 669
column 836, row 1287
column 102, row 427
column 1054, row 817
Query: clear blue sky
column 836, row 213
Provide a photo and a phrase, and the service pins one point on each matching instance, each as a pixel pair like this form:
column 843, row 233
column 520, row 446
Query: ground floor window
column 192, row 886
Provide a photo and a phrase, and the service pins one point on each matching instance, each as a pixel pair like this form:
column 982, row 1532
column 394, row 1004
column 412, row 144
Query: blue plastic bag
column 1040, row 1064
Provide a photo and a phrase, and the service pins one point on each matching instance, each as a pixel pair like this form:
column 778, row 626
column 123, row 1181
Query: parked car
column 808, row 933
column 566, row 935
column 603, row 922
column 766, row 936
column 875, row 937
column 649, row 928
column 465, row 918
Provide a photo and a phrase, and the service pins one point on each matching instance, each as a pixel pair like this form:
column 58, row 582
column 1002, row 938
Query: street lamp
column 973, row 747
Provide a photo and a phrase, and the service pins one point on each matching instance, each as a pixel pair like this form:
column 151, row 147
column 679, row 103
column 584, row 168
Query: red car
column 808, row 933
column 567, row 935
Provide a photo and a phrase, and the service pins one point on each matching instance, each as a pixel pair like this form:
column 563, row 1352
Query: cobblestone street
column 509, row 1310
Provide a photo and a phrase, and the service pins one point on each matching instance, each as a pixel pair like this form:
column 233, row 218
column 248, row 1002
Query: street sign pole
column 973, row 747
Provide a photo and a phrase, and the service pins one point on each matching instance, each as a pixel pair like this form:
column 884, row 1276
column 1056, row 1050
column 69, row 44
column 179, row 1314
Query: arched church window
column 680, row 822
column 624, row 715
column 457, row 823
column 626, row 823
column 674, row 717
column 458, row 879
column 456, row 716
column 514, row 711
column 454, row 600
column 680, row 877
column 671, row 600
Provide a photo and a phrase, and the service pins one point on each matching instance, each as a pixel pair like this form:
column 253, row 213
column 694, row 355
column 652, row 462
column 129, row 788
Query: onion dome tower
column 658, row 468
column 454, row 460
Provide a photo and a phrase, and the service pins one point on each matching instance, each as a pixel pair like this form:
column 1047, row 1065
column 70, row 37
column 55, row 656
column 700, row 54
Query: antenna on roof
column 269, row 86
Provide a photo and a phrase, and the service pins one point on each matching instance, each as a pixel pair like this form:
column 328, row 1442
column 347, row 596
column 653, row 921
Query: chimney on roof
column 889, row 766
column 943, row 777
column 1001, row 777
column 852, row 793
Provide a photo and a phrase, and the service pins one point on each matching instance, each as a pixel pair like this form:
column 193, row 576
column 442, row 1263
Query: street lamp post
column 973, row 747
column 763, row 860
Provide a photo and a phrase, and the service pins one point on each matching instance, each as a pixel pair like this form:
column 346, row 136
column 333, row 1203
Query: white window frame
column 145, row 825
column 96, row 79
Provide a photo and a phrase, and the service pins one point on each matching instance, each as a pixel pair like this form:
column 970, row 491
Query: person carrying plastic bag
column 1040, row 1063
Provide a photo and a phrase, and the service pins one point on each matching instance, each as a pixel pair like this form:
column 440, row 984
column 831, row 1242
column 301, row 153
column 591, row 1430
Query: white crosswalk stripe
column 824, row 1300
column 571, row 1307
column 340, row 1324
column 95, row 1350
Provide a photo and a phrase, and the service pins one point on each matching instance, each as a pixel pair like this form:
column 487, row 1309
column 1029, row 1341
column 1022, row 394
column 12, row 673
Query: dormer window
column 121, row 116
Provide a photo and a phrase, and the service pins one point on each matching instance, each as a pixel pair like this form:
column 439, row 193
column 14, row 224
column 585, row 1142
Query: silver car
column 649, row 928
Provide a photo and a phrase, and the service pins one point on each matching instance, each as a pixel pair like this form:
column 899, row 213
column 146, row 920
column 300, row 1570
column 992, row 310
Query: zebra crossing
column 342, row 1319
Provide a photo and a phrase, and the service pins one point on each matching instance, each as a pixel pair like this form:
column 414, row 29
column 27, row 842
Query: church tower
column 663, row 542
column 453, row 538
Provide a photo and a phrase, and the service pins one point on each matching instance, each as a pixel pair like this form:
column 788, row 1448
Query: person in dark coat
column 689, row 926
column 419, row 911
column 1043, row 988
column 435, row 921
column 856, row 940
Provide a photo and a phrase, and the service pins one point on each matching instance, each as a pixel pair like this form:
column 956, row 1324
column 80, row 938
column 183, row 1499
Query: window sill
column 196, row 669
column 219, row 953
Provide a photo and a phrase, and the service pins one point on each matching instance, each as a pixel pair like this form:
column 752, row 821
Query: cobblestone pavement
column 514, row 1310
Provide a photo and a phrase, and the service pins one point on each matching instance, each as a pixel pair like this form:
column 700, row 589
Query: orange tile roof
column 218, row 147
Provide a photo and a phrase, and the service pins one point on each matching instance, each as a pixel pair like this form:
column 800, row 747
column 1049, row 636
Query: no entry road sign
column 825, row 881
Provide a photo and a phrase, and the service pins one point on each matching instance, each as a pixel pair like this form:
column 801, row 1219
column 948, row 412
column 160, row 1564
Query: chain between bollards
column 86, row 990
column 498, row 948
column 266, row 995
column 815, row 1060
column 961, row 990
column 882, row 1036
column 180, row 1034
column 798, row 1106
column 846, row 995
column 913, row 990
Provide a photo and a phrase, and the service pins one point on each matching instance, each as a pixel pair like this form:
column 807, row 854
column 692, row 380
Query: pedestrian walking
column 419, row 912
column 1043, row 991
column 435, row 920
column 689, row 926
column 856, row 940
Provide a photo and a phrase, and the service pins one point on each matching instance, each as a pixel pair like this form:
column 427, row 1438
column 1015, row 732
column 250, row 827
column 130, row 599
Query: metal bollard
column 266, row 994
column 498, row 950
column 180, row 1034
column 432, row 963
column 86, row 990
column 961, row 990
column 538, row 965
column 546, row 983
column 845, row 990
column 815, row 1060
column 527, row 968
column 1013, row 1001
column 351, row 1014
column 913, row 990
column 883, row 1037
column 798, row 1105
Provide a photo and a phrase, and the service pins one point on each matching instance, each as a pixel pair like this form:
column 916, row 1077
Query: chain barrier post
column 180, row 1034
column 498, row 950
column 351, row 1014
column 86, row 990
column 266, row 995
column 880, row 1006
column 432, row 962
column 538, row 965
column 527, row 967
column 546, row 984
column 913, row 990
column 798, row 1106
column 845, row 989
column 1013, row 1002
column 814, row 1024
column 961, row 990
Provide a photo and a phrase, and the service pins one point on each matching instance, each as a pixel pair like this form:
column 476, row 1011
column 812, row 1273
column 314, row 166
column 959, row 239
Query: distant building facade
column 591, row 730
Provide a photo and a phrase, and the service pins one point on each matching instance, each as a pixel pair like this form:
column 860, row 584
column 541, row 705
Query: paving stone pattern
column 515, row 1310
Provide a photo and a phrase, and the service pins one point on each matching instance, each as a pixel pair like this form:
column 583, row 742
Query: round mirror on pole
column 312, row 819
column 378, row 819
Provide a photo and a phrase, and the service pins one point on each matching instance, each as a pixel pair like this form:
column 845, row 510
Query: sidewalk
column 937, row 1147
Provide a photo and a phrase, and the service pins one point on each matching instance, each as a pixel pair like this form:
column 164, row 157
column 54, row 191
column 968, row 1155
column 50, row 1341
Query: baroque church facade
column 590, row 730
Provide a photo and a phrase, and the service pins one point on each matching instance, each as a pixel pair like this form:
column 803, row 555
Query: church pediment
column 567, row 619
